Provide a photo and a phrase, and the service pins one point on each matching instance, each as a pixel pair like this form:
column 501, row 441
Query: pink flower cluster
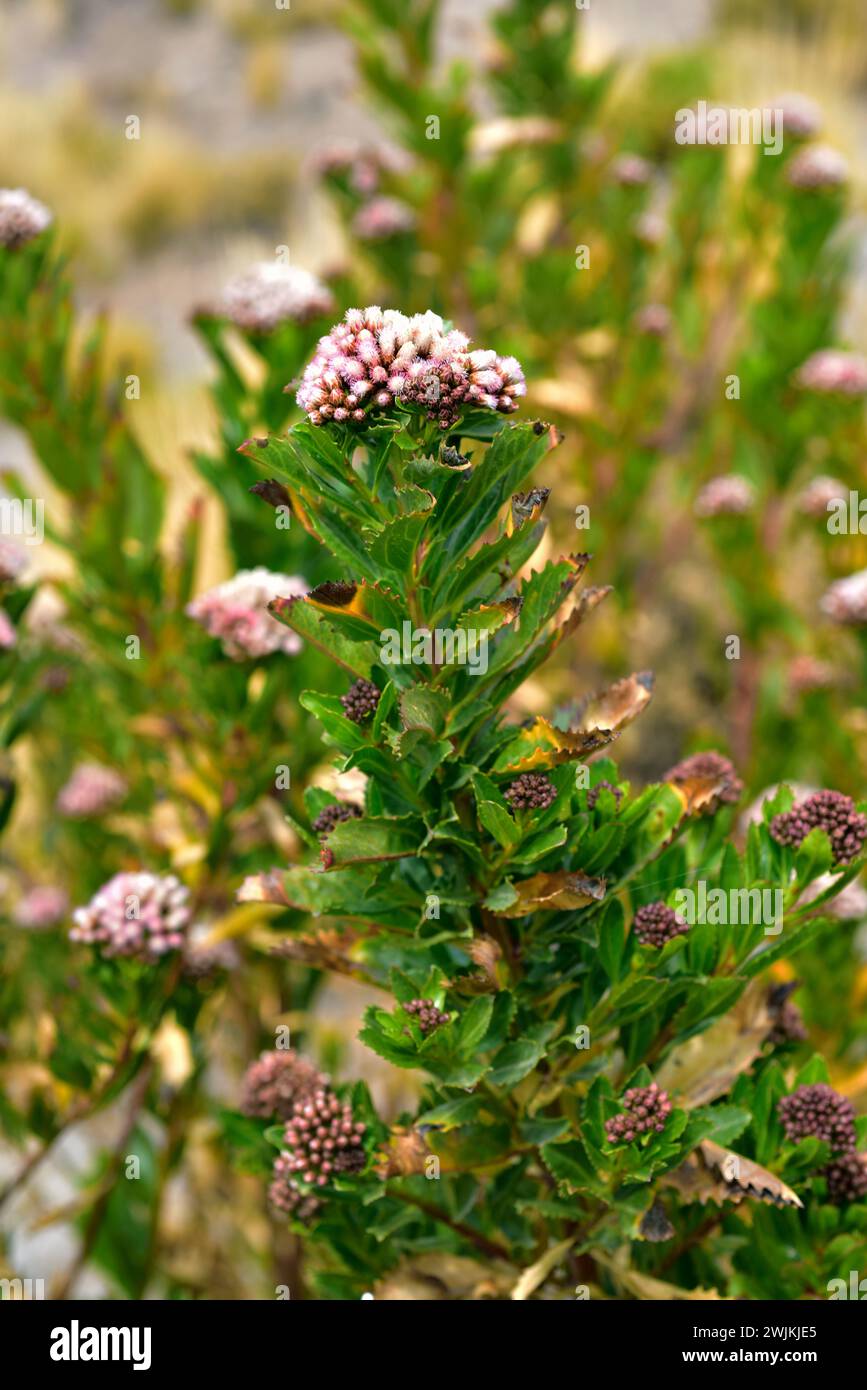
column 802, row 117
column 832, row 372
column 382, row 218
column 650, row 228
column 43, row 906
column 654, row 320
column 8, row 635
column 728, row 495
column 631, row 171
column 21, row 217
column 820, row 494
column 817, row 166
column 271, row 293
column 360, row 165
column 846, row 599
column 13, row 561
column 91, row 790
column 374, row 358
column 236, row 612
column 140, row 915
column 276, row 1081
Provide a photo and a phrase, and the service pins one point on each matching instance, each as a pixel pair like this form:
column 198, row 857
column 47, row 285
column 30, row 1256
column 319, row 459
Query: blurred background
column 237, row 98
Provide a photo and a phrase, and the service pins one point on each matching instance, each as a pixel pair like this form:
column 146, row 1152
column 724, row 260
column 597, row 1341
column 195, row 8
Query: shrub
column 601, row 1105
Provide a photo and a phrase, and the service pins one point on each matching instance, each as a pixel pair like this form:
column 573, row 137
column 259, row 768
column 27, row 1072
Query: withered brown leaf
column 617, row 706
column 561, row 891
column 714, row 1174
column 704, row 1067
column 404, row 1153
column 439, row 1275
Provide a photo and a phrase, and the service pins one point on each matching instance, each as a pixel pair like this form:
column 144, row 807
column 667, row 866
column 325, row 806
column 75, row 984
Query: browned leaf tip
column 715, row 1174
column 404, row 1153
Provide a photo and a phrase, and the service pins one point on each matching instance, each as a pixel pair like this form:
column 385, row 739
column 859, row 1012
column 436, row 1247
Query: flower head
column 8, row 635
column 650, row 228
column 286, row 1196
column 645, row 1110
column 360, row 701
column 374, row 359
column 846, row 1178
column 271, row 293
column 140, row 915
column 831, row 372
column 13, row 560
column 428, row 1016
column 382, row 218
column 91, row 791
column 273, row 1084
column 806, row 673
column 817, row 166
column 819, row 1112
column 21, row 217
column 43, row 906
column 362, row 166
column 655, row 924
column 631, row 171
column 820, row 494
column 332, row 815
column 654, row 320
column 728, row 495
column 531, row 791
column 830, row 811
column 236, row 612
column 801, row 116
column 322, row 1139
column 846, row 600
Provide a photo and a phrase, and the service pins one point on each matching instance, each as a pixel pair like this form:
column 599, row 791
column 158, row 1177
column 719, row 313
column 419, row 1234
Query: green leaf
column 423, row 708
column 395, row 546
column 543, row 1130
column 499, row 824
column 612, row 940
column 570, row 1165
column 814, row 857
column 513, row 454
column 453, row 1113
column 501, row 897
column 539, row 845
column 369, row 839
column 473, row 1023
column 303, row 618
column 517, row 1059
column 727, row 1122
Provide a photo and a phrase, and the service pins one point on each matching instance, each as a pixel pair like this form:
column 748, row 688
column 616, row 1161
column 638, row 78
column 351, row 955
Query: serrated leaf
column 369, row 839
